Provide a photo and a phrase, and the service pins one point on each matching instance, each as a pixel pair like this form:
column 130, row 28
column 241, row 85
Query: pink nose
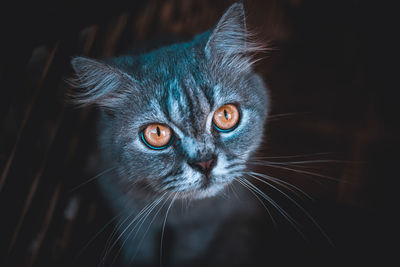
column 205, row 165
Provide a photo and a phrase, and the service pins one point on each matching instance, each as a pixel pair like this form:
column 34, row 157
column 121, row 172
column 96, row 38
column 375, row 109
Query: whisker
column 305, row 172
column 120, row 224
column 145, row 210
column 299, row 206
column 279, row 208
column 92, row 179
column 140, row 221
column 259, row 162
column 319, row 161
column 231, row 185
column 163, row 227
column 283, row 115
column 299, row 162
column 262, row 202
column 297, row 156
column 147, row 229
column 270, row 200
column 267, row 164
column 97, row 234
column 281, row 182
column 115, row 231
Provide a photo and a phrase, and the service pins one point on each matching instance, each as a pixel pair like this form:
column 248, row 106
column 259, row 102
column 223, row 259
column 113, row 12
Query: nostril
column 205, row 165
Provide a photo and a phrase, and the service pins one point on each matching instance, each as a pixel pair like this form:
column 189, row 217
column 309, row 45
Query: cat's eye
column 226, row 118
column 157, row 136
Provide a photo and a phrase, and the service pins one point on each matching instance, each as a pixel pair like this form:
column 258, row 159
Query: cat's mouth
column 209, row 186
column 197, row 182
column 205, row 191
column 206, row 181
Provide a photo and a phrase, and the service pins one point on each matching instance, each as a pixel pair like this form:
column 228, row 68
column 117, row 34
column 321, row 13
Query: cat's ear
column 229, row 35
column 99, row 83
column 229, row 40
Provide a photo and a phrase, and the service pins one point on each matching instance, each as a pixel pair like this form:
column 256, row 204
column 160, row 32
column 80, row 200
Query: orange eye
column 157, row 136
column 226, row 118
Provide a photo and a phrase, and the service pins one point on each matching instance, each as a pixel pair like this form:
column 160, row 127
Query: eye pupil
column 158, row 131
column 226, row 114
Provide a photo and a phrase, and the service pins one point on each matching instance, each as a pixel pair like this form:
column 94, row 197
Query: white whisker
column 145, row 210
column 299, row 206
column 297, row 156
column 139, row 222
column 279, row 208
column 282, row 183
column 303, row 172
column 163, row 227
column 262, row 203
column 148, row 227
column 98, row 233
column 92, row 179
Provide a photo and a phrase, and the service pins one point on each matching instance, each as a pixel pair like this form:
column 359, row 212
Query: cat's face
column 184, row 118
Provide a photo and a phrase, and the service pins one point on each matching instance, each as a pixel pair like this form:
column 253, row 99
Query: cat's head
column 184, row 118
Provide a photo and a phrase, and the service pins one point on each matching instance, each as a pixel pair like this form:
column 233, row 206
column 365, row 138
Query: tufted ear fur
column 229, row 42
column 101, row 84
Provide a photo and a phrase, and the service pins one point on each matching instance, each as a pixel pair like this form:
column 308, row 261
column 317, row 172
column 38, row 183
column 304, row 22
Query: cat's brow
column 187, row 105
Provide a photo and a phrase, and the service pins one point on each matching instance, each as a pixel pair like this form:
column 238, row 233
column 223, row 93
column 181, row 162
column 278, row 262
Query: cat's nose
column 204, row 166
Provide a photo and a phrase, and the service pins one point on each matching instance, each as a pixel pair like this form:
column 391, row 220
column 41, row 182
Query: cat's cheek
column 153, row 162
column 243, row 140
column 191, row 176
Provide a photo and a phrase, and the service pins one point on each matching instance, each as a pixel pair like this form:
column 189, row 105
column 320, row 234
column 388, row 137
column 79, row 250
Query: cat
column 177, row 126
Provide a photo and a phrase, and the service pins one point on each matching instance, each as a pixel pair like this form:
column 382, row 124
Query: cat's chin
column 209, row 191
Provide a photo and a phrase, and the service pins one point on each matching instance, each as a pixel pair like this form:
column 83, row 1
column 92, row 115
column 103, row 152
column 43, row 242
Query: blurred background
column 333, row 120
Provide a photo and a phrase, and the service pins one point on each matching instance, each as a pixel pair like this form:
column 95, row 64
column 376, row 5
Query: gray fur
column 181, row 86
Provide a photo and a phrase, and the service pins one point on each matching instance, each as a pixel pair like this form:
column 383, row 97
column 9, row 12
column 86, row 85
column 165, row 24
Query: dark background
column 333, row 102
